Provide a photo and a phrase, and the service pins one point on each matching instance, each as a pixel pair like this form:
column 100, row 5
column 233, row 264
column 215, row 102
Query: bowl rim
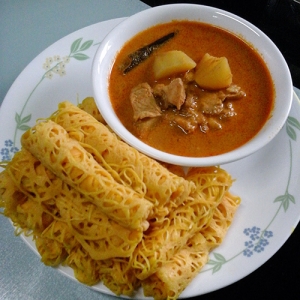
column 158, row 15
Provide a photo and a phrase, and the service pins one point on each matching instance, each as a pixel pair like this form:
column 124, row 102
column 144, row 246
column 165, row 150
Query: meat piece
column 176, row 93
column 228, row 111
column 171, row 94
column 188, row 125
column 214, row 124
column 144, row 127
column 202, row 122
column 143, row 102
column 189, row 76
column 160, row 94
column 210, row 103
column 191, row 101
column 232, row 92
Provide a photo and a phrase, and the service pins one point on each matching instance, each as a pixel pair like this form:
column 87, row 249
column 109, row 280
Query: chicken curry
column 185, row 110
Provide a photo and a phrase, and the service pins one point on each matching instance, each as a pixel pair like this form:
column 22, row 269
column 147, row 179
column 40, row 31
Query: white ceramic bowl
column 128, row 28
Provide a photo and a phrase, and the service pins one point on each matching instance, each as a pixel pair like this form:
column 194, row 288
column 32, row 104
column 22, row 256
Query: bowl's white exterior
column 114, row 41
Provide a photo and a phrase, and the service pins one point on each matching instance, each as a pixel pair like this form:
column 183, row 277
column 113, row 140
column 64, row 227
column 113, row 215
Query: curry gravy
column 195, row 39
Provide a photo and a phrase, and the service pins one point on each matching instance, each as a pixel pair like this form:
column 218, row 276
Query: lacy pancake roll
column 89, row 105
column 95, row 138
column 143, row 174
column 54, row 240
column 164, row 238
column 222, row 218
column 212, row 181
column 28, row 217
column 23, row 214
column 215, row 183
column 172, row 278
column 86, row 269
column 117, row 275
column 62, row 214
column 114, row 273
column 67, row 159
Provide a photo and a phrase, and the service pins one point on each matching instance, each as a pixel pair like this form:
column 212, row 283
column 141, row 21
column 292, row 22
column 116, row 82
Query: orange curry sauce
column 195, row 39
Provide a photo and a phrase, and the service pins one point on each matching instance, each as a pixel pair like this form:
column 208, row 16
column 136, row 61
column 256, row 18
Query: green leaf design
column 24, row 127
column 17, row 118
column 220, row 260
column 86, row 45
column 21, row 122
column 293, row 122
column 75, row 45
column 219, row 257
column 80, row 56
column 26, row 119
column 291, row 132
column 285, row 200
column 217, row 266
column 76, row 50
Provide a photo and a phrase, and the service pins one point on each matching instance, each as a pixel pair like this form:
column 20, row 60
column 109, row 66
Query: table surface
column 27, row 28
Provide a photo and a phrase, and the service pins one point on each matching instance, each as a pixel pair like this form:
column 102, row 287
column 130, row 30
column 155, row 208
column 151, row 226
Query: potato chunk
column 213, row 72
column 171, row 62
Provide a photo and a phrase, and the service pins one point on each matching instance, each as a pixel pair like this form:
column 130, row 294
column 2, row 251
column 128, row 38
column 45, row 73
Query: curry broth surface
column 195, row 39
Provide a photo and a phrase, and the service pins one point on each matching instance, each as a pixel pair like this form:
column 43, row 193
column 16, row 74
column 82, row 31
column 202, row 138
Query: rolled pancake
column 167, row 236
column 172, row 278
column 118, row 277
column 89, row 105
column 24, row 213
column 68, row 160
column 143, row 174
column 223, row 216
column 58, row 212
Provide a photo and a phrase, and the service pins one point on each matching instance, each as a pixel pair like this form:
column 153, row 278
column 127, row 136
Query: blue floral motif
column 249, row 244
column 8, row 143
column 258, row 240
column 8, row 150
column 247, row 252
column 268, row 233
column 264, row 242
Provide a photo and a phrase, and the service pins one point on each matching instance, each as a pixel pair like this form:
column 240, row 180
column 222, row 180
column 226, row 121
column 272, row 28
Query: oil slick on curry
column 202, row 93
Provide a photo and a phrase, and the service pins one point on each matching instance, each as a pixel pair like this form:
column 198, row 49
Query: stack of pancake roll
column 114, row 215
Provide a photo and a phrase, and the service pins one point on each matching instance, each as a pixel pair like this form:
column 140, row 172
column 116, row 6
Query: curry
column 244, row 107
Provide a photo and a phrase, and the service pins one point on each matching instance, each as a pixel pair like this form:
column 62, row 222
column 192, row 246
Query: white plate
column 268, row 181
